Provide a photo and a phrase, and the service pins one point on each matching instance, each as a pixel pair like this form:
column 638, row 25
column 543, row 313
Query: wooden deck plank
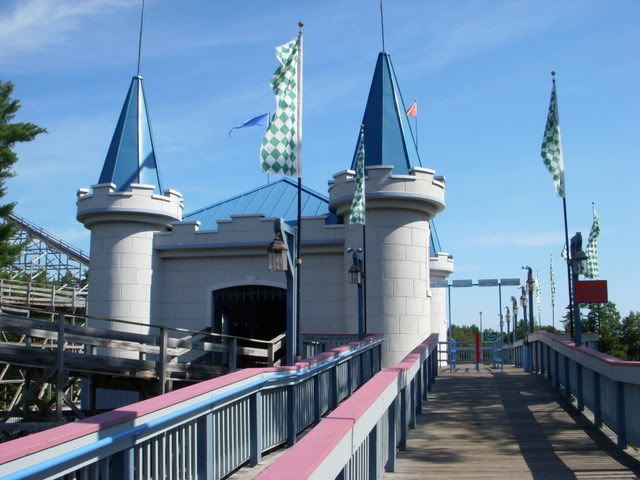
column 506, row 425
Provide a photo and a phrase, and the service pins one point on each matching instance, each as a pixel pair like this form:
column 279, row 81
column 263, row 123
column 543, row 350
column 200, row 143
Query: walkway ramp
column 506, row 425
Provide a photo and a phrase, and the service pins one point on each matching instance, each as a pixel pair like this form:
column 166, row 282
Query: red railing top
column 301, row 460
column 52, row 437
column 603, row 357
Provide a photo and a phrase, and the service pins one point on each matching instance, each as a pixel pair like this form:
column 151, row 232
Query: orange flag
column 412, row 111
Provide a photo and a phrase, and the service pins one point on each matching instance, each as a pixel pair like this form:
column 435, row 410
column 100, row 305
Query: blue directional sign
column 462, row 283
column 509, row 282
column 488, row 282
column 439, row 284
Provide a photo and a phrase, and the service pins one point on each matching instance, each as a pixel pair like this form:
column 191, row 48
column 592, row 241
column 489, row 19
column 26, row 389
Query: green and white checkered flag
column 280, row 151
column 358, row 205
column 563, row 254
column 552, row 144
column 552, row 281
column 593, row 270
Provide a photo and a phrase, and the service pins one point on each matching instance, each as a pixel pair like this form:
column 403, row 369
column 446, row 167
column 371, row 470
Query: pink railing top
column 303, row 459
column 603, row 357
column 52, row 437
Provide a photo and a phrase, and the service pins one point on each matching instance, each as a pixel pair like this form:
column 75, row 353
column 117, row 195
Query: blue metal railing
column 207, row 435
column 605, row 385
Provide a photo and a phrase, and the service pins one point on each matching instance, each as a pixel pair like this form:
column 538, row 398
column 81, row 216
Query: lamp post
column 356, row 277
column 280, row 255
column 525, row 345
column 514, row 309
column 508, row 317
column 530, row 287
column 578, row 257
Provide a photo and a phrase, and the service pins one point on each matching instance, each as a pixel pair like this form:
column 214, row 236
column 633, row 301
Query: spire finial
column 382, row 26
column 553, row 76
column 140, row 38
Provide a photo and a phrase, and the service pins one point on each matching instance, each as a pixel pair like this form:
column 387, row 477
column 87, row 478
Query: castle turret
column 401, row 197
column 123, row 211
column 440, row 266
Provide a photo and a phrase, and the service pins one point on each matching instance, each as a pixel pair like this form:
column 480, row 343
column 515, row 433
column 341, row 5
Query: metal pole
column 566, row 238
column 364, row 275
column 500, row 306
column 298, row 267
column 480, row 326
column 449, row 307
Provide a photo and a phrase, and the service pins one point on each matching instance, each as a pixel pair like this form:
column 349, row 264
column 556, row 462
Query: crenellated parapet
column 441, row 266
column 420, row 190
column 140, row 204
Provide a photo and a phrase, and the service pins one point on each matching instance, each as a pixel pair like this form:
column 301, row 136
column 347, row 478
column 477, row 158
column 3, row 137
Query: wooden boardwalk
column 509, row 425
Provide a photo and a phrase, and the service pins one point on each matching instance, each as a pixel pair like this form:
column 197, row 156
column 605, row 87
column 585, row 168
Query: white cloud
column 34, row 25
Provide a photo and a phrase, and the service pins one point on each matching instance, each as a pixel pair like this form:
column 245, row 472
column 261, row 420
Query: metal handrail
column 607, row 386
column 138, row 440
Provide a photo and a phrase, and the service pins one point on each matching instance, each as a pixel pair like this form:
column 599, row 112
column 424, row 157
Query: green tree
column 10, row 134
column 631, row 335
column 604, row 319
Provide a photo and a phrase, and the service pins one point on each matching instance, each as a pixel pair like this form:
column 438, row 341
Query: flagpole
column 140, row 37
column 415, row 121
column 299, row 159
column 568, row 259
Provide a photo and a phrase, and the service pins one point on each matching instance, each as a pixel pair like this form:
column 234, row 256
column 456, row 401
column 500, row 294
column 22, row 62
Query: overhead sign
column 509, row 282
column 462, row 283
column 591, row 291
column 439, row 284
column 488, row 282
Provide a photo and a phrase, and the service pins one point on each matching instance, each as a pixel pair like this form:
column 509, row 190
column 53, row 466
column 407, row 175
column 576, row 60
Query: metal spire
column 140, row 38
column 382, row 25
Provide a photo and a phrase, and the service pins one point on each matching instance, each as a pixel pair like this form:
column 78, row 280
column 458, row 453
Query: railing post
column 579, row 397
column 53, row 297
column 419, row 390
column 425, row 379
column 333, row 387
column 435, row 366
column 292, row 416
column 270, row 354
column 255, row 425
column 597, row 402
column 556, row 369
column 392, row 442
column 548, row 349
column 60, row 368
column 317, row 415
column 541, row 356
column 232, row 348
column 567, row 380
column 373, row 453
column 429, row 376
column 412, row 404
column 206, row 448
column 361, row 365
column 162, row 359
column 29, row 294
column 621, row 427
column 403, row 419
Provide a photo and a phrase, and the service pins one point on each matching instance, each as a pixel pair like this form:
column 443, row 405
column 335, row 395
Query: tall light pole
column 508, row 317
column 356, row 277
column 280, row 255
column 525, row 345
column 481, row 336
column 577, row 258
column 530, row 287
column 514, row 309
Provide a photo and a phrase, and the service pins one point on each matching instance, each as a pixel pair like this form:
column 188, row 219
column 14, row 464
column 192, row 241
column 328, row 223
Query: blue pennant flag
column 260, row 120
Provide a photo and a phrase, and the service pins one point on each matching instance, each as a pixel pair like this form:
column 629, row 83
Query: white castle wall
column 398, row 207
column 195, row 263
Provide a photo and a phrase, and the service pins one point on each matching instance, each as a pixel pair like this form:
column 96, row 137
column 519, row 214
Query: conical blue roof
column 388, row 139
column 131, row 157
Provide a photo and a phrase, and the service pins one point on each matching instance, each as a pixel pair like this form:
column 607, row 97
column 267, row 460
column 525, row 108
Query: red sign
column 591, row 291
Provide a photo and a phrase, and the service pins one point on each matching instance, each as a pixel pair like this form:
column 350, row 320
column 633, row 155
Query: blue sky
column 479, row 70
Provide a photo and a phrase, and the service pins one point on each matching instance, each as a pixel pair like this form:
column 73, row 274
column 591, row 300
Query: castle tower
column 122, row 212
column 401, row 197
column 440, row 266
